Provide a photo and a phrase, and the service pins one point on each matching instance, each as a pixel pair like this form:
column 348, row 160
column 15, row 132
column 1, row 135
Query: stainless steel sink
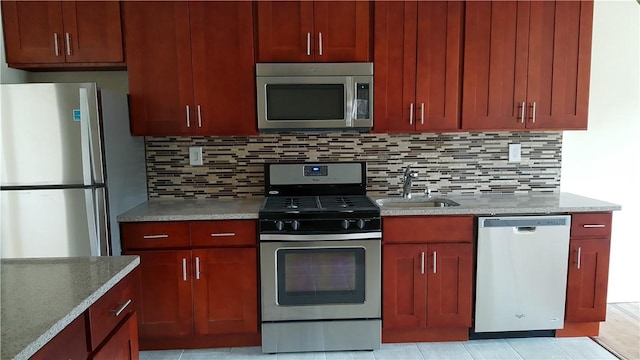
column 415, row 202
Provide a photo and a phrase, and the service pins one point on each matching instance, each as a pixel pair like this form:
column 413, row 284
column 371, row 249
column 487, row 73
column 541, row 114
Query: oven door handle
column 372, row 235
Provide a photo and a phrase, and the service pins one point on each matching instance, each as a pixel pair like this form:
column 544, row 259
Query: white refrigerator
column 69, row 167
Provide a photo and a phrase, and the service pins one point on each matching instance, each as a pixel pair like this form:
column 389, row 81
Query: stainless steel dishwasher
column 521, row 273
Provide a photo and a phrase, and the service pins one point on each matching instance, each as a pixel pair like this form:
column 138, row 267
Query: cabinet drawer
column 420, row 229
column 223, row 233
column 591, row 225
column 154, row 235
column 112, row 308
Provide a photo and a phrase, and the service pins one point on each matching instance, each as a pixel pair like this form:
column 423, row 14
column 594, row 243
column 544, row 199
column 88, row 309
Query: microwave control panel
column 362, row 101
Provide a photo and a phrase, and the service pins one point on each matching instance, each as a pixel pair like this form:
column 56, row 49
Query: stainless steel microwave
column 314, row 96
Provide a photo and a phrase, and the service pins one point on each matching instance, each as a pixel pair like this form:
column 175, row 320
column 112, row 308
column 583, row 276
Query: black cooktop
column 318, row 204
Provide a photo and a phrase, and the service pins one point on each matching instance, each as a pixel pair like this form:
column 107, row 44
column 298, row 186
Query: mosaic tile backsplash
column 449, row 163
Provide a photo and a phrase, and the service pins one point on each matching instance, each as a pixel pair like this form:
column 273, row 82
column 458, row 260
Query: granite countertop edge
column 472, row 204
column 55, row 329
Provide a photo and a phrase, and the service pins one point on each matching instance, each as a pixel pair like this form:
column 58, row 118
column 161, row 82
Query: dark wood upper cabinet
column 417, row 55
column 191, row 68
column 63, row 34
column 314, row 31
column 526, row 65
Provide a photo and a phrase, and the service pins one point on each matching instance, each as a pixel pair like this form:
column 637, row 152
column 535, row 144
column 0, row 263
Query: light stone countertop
column 533, row 203
column 188, row 209
column 474, row 204
column 40, row 297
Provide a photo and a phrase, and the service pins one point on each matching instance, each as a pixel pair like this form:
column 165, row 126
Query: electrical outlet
column 515, row 151
column 195, row 155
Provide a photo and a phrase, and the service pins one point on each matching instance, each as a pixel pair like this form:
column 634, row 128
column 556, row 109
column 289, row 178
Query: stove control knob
column 279, row 225
column 295, row 224
column 360, row 224
column 345, row 224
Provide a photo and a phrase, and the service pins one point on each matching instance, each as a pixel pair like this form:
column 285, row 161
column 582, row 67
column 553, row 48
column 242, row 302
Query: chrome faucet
column 407, row 179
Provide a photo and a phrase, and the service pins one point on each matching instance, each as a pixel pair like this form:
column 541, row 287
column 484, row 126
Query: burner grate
column 286, row 203
column 345, row 202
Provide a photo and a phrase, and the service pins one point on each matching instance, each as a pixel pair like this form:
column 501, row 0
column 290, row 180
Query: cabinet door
column 33, row 31
column 92, row 31
column 438, row 65
column 559, row 64
column 495, row 65
column 285, row 31
column 70, row 343
column 395, row 66
column 223, row 67
column 587, row 280
column 449, row 285
column 123, row 344
column 165, row 308
column 342, row 30
column 404, row 286
column 225, row 291
column 158, row 51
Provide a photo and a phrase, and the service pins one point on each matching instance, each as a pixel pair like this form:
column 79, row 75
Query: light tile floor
column 529, row 349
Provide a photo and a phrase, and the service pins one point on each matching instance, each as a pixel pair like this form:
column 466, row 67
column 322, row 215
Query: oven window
column 305, row 102
column 320, row 276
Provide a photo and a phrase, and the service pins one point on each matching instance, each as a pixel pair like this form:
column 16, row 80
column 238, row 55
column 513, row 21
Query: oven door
column 312, row 280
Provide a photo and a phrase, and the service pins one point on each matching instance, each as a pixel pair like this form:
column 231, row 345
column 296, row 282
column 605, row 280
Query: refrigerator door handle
column 85, row 137
column 102, row 222
column 91, row 222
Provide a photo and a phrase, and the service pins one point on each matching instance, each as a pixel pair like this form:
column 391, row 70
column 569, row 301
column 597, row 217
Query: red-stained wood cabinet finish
column 199, row 286
column 107, row 330
column 588, row 267
column 427, row 278
column 62, row 34
column 225, row 291
column 190, row 66
column 418, row 65
column 314, row 31
column 526, row 65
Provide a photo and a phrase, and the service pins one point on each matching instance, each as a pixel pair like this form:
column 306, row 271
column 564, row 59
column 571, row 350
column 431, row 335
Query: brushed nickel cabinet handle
column 533, row 112
column 422, row 114
column 435, row 269
column 308, row 44
column 320, row 41
column 523, row 109
column 118, row 311
column 593, row 226
column 579, row 257
column 223, row 234
column 199, row 116
column 184, row 269
column 158, row 236
column 68, row 40
column 56, row 45
column 411, row 114
column 188, row 117
column 422, row 262
column 197, row 268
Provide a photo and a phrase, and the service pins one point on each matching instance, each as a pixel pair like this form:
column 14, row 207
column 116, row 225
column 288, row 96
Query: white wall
column 603, row 161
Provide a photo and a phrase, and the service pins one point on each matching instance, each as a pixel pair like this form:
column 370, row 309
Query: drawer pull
column 119, row 310
column 593, row 226
column 223, row 234
column 159, row 236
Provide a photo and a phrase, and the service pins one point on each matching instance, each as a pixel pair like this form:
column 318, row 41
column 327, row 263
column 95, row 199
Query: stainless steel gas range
column 320, row 259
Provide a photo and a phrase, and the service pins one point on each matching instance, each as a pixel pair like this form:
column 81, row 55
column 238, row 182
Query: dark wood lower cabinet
column 199, row 286
column 588, row 274
column 587, row 280
column 123, row 345
column 225, row 292
column 108, row 330
column 427, row 278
